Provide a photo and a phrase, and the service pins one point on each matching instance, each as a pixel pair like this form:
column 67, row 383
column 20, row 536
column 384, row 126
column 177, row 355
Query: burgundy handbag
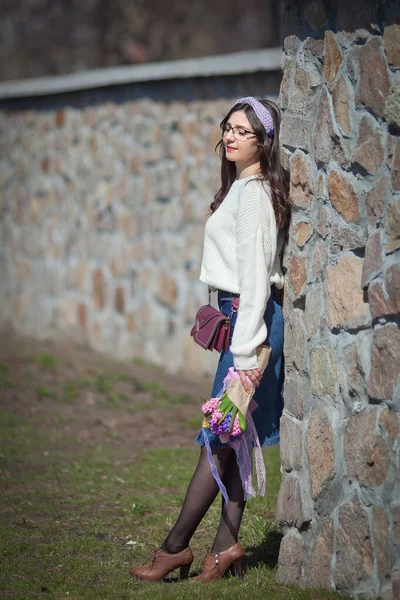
column 212, row 328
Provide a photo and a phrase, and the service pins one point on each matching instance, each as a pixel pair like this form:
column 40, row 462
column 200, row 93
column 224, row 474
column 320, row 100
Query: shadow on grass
column 267, row 552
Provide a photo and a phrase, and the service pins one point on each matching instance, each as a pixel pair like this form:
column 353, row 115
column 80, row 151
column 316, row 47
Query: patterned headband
column 261, row 111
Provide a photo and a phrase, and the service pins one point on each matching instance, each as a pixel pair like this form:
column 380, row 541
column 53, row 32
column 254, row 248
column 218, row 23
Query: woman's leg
column 201, row 493
column 231, row 512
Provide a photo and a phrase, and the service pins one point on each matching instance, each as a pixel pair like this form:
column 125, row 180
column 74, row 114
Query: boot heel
column 237, row 568
column 184, row 572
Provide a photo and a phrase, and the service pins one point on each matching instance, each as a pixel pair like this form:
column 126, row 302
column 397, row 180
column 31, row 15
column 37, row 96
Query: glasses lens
column 240, row 135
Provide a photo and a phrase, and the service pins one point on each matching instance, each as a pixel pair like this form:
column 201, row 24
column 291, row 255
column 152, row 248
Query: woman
column 244, row 238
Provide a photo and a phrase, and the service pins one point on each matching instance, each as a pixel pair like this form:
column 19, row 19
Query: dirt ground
column 90, row 397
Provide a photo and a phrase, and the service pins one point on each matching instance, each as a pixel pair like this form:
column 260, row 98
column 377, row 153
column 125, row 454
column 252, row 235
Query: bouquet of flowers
column 226, row 415
column 229, row 416
column 222, row 416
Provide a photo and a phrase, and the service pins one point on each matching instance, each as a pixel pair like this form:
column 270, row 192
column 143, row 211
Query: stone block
column 302, row 232
column 319, row 260
column 313, row 311
column 381, row 534
column 366, row 453
column 295, row 132
column 61, row 117
column 396, row 524
column 391, row 113
column 167, row 292
column 373, row 259
column 318, row 569
column 391, row 142
column 392, row 226
column 385, row 355
column 347, row 310
column 119, row 300
column 391, row 42
column 369, row 153
column 287, row 305
column 353, row 64
column 315, row 47
column 321, row 186
column 131, row 323
column 355, row 372
column 376, row 199
column 342, row 105
column 384, row 296
column 301, row 96
column 320, row 452
column 326, row 143
column 286, row 84
column 301, row 181
column 297, row 274
column 291, row 436
column 395, row 585
column 82, row 315
column 296, row 392
column 396, row 169
column 295, row 346
column 99, row 289
column 322, row 222
column 374, row 79
column 290, row 508
column 291, row 45
column 323, row 372
column 389, row 420
column 291, row 557
column 354, row 554
column 343, row 196
column 347, row 238
column 333, row 58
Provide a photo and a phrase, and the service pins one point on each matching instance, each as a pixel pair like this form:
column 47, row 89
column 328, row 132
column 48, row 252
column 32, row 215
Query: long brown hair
column 270, row 163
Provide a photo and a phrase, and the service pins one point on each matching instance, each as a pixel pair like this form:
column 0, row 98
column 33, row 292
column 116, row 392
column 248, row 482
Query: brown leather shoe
column 162, row 563
column 216, row 565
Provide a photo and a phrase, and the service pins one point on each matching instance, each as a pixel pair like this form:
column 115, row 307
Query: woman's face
column 243, row 150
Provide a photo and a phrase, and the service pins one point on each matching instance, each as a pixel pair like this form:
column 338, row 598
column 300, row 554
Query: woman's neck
column 243, row 171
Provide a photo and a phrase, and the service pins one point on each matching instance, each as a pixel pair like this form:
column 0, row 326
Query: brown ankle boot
column 216, row 565
column 162, row 563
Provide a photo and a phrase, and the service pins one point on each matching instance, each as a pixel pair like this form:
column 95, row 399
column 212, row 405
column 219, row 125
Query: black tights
column 201, row 493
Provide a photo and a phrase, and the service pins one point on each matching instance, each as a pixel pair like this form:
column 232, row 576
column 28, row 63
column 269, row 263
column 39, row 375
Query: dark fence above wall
column 256, row 73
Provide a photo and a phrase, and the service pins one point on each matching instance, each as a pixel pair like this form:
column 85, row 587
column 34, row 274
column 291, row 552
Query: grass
column 45, row 360
column 72, row 524
column 76, row 514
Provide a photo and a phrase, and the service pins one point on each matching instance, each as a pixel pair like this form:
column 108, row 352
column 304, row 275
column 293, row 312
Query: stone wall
column 339, row 501
column 103, row 208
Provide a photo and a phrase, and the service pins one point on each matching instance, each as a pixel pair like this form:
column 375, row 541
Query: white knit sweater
column 242, row 255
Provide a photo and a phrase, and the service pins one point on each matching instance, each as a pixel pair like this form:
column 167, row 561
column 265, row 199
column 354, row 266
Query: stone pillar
column 339, row 502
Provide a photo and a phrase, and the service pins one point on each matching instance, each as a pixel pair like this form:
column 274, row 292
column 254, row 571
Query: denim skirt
column 269, row 393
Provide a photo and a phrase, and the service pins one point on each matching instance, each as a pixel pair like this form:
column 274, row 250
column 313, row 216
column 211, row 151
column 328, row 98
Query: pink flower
column 210, row 405
column 236, row 429
column 215, row 417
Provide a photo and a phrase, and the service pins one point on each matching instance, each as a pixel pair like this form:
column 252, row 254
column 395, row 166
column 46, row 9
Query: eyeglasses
column 239, row 133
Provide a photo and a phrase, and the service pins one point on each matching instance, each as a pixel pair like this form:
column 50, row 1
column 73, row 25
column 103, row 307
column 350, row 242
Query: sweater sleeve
column 255, row 252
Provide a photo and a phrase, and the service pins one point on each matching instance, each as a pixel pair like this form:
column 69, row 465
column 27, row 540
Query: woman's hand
column 253, row 374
